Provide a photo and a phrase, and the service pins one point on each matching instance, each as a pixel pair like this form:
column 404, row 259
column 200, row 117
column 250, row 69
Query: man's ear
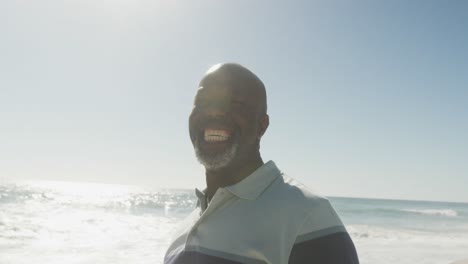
column 264, row 123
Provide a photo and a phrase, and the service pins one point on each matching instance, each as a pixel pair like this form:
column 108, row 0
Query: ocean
column 58, row 222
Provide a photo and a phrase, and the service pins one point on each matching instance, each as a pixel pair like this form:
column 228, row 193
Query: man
column 250, row 212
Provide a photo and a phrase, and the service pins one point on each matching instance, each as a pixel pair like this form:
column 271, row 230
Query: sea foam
column 437, row 212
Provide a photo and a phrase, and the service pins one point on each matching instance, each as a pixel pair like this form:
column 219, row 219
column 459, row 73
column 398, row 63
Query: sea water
column 56, row 222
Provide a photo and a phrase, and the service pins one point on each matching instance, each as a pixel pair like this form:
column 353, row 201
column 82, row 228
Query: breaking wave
column 367, row 232
column 435, row 212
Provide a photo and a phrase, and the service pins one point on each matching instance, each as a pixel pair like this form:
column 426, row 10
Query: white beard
column 215, row 162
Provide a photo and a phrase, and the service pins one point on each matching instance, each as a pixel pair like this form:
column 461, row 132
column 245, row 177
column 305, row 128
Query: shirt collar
column 253, row 185
column 250, row 187
column 202, row 199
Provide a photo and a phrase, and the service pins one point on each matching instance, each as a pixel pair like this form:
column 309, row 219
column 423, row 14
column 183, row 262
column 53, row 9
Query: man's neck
column 230, row 175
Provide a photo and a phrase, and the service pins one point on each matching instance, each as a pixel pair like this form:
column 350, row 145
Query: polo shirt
column 267, row 217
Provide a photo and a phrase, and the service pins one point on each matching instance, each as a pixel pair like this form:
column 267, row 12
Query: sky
column 366, row 98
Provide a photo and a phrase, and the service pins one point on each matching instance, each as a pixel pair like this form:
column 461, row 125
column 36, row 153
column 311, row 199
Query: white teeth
column 212, row 135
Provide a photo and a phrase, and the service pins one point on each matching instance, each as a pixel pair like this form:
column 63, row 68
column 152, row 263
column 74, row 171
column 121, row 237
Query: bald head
column 238, row 77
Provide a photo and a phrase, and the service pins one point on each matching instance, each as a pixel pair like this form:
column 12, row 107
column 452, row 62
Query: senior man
column 250, row 212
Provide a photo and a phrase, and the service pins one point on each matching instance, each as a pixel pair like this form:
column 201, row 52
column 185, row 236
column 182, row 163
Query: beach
column 52, row 222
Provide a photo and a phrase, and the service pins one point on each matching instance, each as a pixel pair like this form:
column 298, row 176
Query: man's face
column 224, row 123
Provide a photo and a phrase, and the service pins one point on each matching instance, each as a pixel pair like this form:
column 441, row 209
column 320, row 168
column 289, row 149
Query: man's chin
column 213, row 163
column 216, row 160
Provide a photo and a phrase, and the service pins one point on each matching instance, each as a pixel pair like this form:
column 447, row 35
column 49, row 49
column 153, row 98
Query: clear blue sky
column 366, row 98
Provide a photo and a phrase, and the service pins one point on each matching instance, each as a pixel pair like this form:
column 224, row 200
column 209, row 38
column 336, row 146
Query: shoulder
column 289, row 193
column 312, row 211
column 320, row 234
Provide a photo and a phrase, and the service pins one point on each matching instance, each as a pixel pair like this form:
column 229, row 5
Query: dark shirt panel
column 337, row 248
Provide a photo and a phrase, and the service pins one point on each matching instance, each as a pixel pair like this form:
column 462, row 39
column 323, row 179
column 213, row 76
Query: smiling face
column 228, row 117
